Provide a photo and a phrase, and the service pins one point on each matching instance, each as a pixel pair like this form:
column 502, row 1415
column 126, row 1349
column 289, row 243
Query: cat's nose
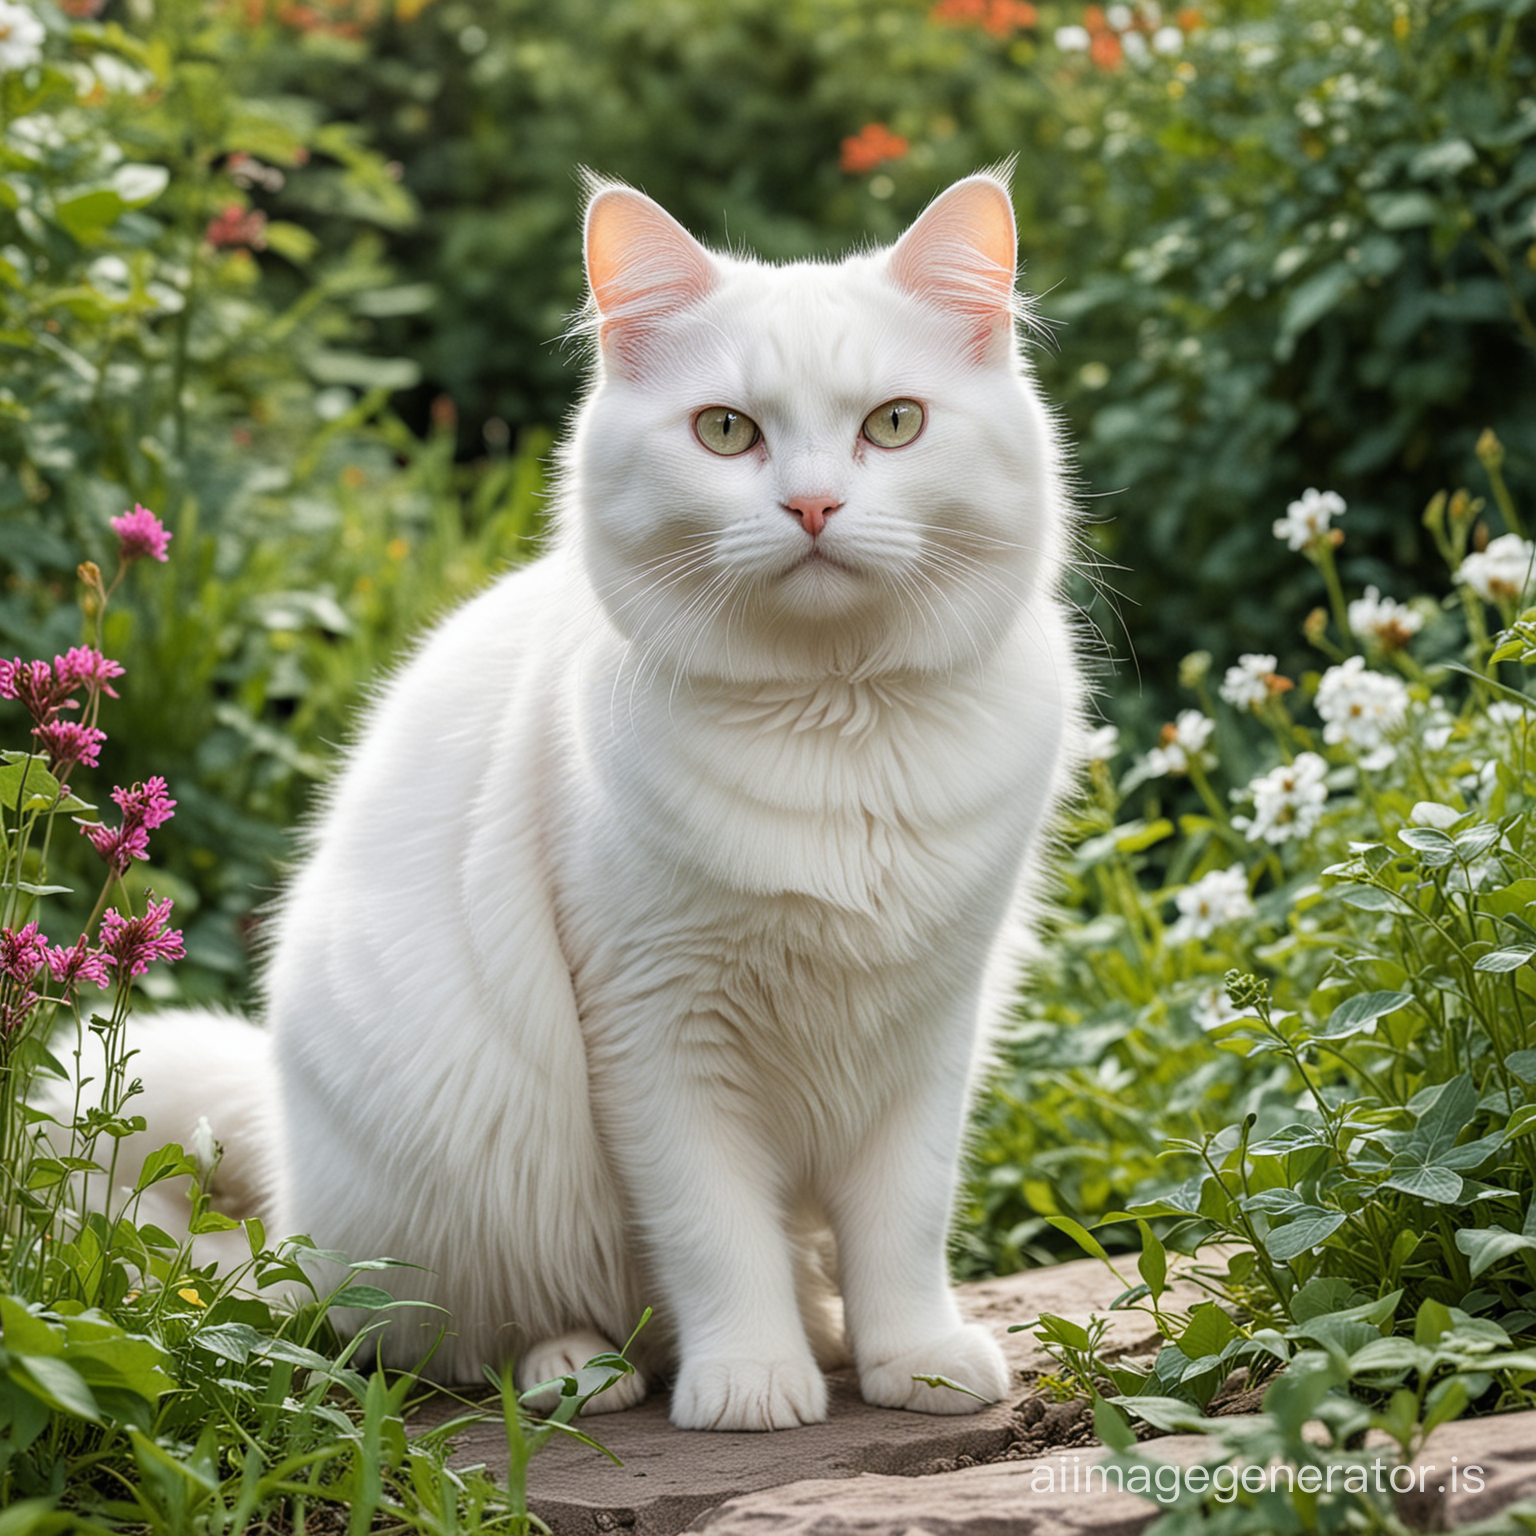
column 813, row 511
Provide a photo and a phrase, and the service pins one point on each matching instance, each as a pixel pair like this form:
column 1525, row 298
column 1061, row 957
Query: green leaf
column 1366, row 898
column 1510, row 958
column 1152, row 1265
column 368, row 372
column 1168, row 1413
column 1310, row 301
column 1426, row 1181
column 1110, row 1425
column 1314, row 1226
column 57, row 1383
column 1360, row 1012
column 164, row 1163
column 1433, row 1319
column 1209, row 1331
column 1079, row 1235
column 1485, row 1246
column 369, row 1297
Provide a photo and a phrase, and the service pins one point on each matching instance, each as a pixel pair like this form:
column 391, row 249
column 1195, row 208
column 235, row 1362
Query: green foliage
column 1305, row 258
column 490, row 108
column 167, row 344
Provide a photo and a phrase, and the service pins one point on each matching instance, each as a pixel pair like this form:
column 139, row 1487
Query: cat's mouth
column 817, row 558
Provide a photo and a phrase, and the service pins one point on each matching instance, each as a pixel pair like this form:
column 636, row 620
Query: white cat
column 653, row 929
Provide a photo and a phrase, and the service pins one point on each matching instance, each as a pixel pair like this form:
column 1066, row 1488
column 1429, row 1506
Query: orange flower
column 1002, row 18
column 872, row 145
column 1095, row 20
column 1188, row 19
column 1105, row 50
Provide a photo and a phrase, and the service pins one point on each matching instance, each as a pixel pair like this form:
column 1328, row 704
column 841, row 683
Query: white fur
column 654, row 925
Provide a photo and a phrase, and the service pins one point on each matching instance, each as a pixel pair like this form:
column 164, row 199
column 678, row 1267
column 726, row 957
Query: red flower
column 237, row 226
column 872, row 145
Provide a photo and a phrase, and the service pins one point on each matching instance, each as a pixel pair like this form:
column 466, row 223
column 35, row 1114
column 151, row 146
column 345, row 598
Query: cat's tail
column 207, row 1077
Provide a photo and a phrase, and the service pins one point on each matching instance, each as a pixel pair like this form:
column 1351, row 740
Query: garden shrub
column 168, row 342
column 1361, row 1114
column 1303, row 255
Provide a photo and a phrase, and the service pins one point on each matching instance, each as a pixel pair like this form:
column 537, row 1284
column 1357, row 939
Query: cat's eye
column 725, row 431
column 894, row 424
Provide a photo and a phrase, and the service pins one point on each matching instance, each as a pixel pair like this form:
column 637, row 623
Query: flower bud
column 1434, row 513
column 1335, row 537
column 1244, row 990
column 1194, row 669
column 1490, row 451
column 1315, row 626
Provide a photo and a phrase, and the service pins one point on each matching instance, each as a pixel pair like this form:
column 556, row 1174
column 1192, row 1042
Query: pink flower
column 131, row 943
column 146, row 805
column 22, row 951
column 118, row 846
column 66, row 742
column 17, row 1010
column 81, row 665
column 79, row 963
column 33, row 684
column 140, row 533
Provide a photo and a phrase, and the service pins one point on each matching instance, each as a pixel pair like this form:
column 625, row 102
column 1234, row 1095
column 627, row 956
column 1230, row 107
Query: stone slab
column 1009, row 1499
column 671, row 1477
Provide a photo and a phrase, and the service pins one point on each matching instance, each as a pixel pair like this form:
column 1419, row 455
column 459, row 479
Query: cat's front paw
column 748, row 1394
column 568, row 1356
column 969, row 1357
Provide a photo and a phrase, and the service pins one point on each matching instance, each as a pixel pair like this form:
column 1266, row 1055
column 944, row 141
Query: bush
column 1362, row 1113
column 169, row 343
column 1302, row 257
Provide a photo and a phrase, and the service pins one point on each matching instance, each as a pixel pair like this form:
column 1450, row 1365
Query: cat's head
column 788, row 470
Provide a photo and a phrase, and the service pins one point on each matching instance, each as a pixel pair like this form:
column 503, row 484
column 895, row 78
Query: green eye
column 725, row 431
column 894, row 424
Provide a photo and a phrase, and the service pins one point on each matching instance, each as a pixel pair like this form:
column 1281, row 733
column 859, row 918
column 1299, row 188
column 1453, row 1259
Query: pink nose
column 813, row 511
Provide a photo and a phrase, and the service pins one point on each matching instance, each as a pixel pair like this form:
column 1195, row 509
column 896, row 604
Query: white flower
column 1503, row 570
column 1119, row 17
column 204, row 1148
column 1183, row 742
column 1167, row 41
column 1436, row 726
column 1361, row 708
column 1287, row 801
column 1102, row 744
column 1213, row 1008
column 1135, row 46
column 1506, row 712
column 1306, row 519
column 1215, row 899
column 21, row 37
column 1072, row 39
column 1246, row 685
column 1382, row 621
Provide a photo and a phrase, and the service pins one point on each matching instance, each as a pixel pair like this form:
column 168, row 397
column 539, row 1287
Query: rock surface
column 669, row 1477
column 877, row 1472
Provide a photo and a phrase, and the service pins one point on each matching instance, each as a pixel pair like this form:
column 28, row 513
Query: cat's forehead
column 770, row 334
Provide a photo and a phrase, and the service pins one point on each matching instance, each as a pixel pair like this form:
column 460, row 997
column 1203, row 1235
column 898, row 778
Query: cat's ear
column 642, row 266
column 960, row 256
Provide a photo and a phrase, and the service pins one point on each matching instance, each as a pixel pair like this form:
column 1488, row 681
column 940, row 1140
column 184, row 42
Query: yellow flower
column 191, row 1297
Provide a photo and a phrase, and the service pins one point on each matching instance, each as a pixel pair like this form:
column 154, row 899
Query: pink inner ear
column 960, row 253
column 642, row 265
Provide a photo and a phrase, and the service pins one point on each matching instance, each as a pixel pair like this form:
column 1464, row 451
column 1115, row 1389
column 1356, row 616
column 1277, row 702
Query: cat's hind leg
column 567, row 1355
